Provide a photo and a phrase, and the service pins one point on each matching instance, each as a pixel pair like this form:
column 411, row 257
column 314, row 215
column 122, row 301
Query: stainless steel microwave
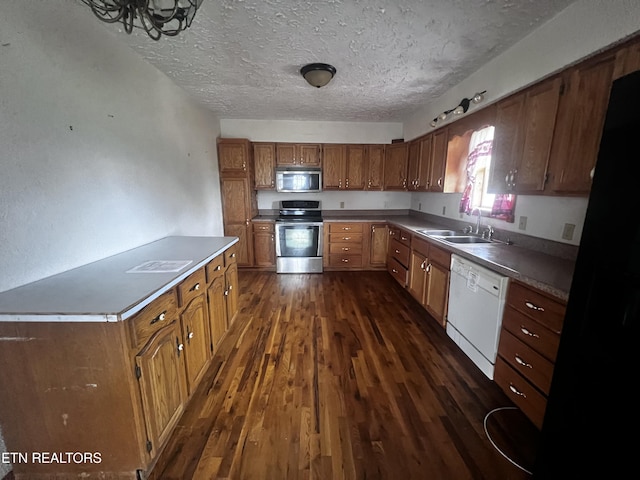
column 298, row 179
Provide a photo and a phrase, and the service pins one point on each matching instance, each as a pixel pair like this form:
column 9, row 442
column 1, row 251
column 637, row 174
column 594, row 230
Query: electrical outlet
column 522, row 225
column 444, row 210
column 341, row 204
column 567, row 231
column 419, row 207
column 386, row 204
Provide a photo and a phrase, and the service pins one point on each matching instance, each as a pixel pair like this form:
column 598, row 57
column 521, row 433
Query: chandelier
column 156, row 17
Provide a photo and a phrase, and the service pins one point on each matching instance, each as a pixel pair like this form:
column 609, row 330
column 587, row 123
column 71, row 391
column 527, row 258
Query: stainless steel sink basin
column 439, row 233
column 465, row 239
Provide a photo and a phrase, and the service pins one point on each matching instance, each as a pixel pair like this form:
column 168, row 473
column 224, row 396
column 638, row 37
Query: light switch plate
column 522, row 224
column 567, row 231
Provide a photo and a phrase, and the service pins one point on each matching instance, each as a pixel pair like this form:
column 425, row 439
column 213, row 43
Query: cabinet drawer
column 345, row 248
column 537, row 306
column 400, row 252
column 440, row 256
column 339, row 227
column 398, row 271
column 347, row 261
column 420, row 245
column 194, row 285
column 404, row 237
column 231, row 255
column 158, row 314
column 527, row 330
column 522, row 393
column 215, row 268
column 526, row 361
column 345, row 237
column 264, row 227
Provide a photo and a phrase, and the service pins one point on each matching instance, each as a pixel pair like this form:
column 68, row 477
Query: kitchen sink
column 439, row 233
column 465, row 239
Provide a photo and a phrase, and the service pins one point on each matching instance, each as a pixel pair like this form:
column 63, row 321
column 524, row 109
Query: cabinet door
column 233, row 156
column 413, row 165
column 163, row 388
column 264, row 248
column 236, row 201
column 217, row 303
column 438, row 160
column 264, row 159
column 333, row 171
column 379, row 237
column 417, row 275
column 231, row 289
column 309, row 154
column 196, row 338
column 375, row 166
column 437, row 291
column 507, row 143
column 581, row 114
column 286, row 154
column 539, row 121
column 395, row 166
column 425, row 164
column 355, row 167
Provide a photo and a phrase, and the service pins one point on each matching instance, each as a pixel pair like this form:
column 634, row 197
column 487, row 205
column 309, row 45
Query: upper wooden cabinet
column 298, row 154
column 419, row 163
column 395, row 166
column 581, row 114
column 234, row 156
column 524, row 128
column 375, row 166
column 437, row 168
column 264, row 159
column 344, row 166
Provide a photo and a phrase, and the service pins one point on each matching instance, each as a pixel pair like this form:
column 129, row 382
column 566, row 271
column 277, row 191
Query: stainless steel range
column 299, row 237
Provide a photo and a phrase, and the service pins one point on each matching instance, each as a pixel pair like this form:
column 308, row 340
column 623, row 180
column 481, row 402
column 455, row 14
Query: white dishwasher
column 476, row 303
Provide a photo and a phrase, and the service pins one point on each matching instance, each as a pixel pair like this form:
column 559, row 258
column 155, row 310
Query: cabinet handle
column 346, row 229
column 226, row 292
column 402, row 237
column 159, row 318
column 369, row 184
column 179, row 346
column 345, row 249
column 534, row 307
column 230, row 287
column 233, row 255
column 428, row 269
column 516, row 391
column 195, row 288
column 394, row 270
column 397, row 251
column 218, row 268
column 520, row 361
column 345, row 260
column 422, row 265
column 190, row 336
column 440, row 182
column 527, row 332
column 346, row 238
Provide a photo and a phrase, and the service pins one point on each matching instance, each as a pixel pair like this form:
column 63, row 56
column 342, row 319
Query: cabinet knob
column 233, row 255
column 226, row 292
column 196, row 287
column 345, row 249
column 190, row 335
column 345, row 260
column 218, row 268
column 159, row 318
column 397, row 251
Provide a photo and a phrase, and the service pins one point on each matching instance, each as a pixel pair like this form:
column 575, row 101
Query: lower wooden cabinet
column 117, row 388
column 528, row 345
column 398, row 255
column 378, row 245
column 355, row 245
column 264, row 244
column 429, row 277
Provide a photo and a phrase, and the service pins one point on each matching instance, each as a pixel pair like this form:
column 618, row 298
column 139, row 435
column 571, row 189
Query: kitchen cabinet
column 429, row 277
column 264, row 244
column 529, row 341
column 395, row 166
column 419, row 163
column 264, row 161
column 437, row 169
column 194, row 323
column 234, row 156
column 343, row 167
column 344, row 245
column 298, row 154
column 398, row 255
column 581, row 114
column 239, row 200
column 524, row 128
column 375, row 166
column 378, row 245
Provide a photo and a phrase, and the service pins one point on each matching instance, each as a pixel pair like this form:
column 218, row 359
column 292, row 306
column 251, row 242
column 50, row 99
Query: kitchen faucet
column 477, row 232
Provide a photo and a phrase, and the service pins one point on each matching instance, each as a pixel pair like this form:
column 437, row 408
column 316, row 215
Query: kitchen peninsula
column 100, row 361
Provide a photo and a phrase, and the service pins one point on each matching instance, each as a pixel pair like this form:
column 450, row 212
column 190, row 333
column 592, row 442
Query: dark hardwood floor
column 342, row 375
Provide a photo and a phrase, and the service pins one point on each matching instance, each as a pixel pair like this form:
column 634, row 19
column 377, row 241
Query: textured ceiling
column 241, row 58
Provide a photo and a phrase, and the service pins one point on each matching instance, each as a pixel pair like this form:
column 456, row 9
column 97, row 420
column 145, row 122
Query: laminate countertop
column 115, row 288
column 545, row 272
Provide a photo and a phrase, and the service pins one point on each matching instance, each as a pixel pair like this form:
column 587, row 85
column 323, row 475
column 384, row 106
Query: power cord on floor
column 493, row 443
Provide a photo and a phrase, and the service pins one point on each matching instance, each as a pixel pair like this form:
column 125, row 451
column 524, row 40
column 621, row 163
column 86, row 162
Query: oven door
column 299, row 239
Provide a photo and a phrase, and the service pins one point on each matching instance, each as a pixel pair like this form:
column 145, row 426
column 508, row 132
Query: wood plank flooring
column 339, row 376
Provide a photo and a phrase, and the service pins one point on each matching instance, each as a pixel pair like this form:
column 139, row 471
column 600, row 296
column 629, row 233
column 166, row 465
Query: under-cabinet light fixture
column 462, row 108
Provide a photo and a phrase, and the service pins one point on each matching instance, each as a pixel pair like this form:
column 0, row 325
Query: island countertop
column 114, row 288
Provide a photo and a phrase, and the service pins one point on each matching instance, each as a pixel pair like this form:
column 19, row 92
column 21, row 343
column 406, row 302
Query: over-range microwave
column 298, row 179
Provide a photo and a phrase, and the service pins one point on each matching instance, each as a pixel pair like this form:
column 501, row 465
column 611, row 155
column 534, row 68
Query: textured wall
column 100, row 151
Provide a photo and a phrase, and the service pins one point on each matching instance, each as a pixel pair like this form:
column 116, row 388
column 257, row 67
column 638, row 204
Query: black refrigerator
column 590, row 428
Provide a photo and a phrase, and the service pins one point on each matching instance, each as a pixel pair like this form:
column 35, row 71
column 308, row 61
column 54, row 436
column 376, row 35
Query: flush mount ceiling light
column 156, row 17
column 462, row 107
column 318, row 74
